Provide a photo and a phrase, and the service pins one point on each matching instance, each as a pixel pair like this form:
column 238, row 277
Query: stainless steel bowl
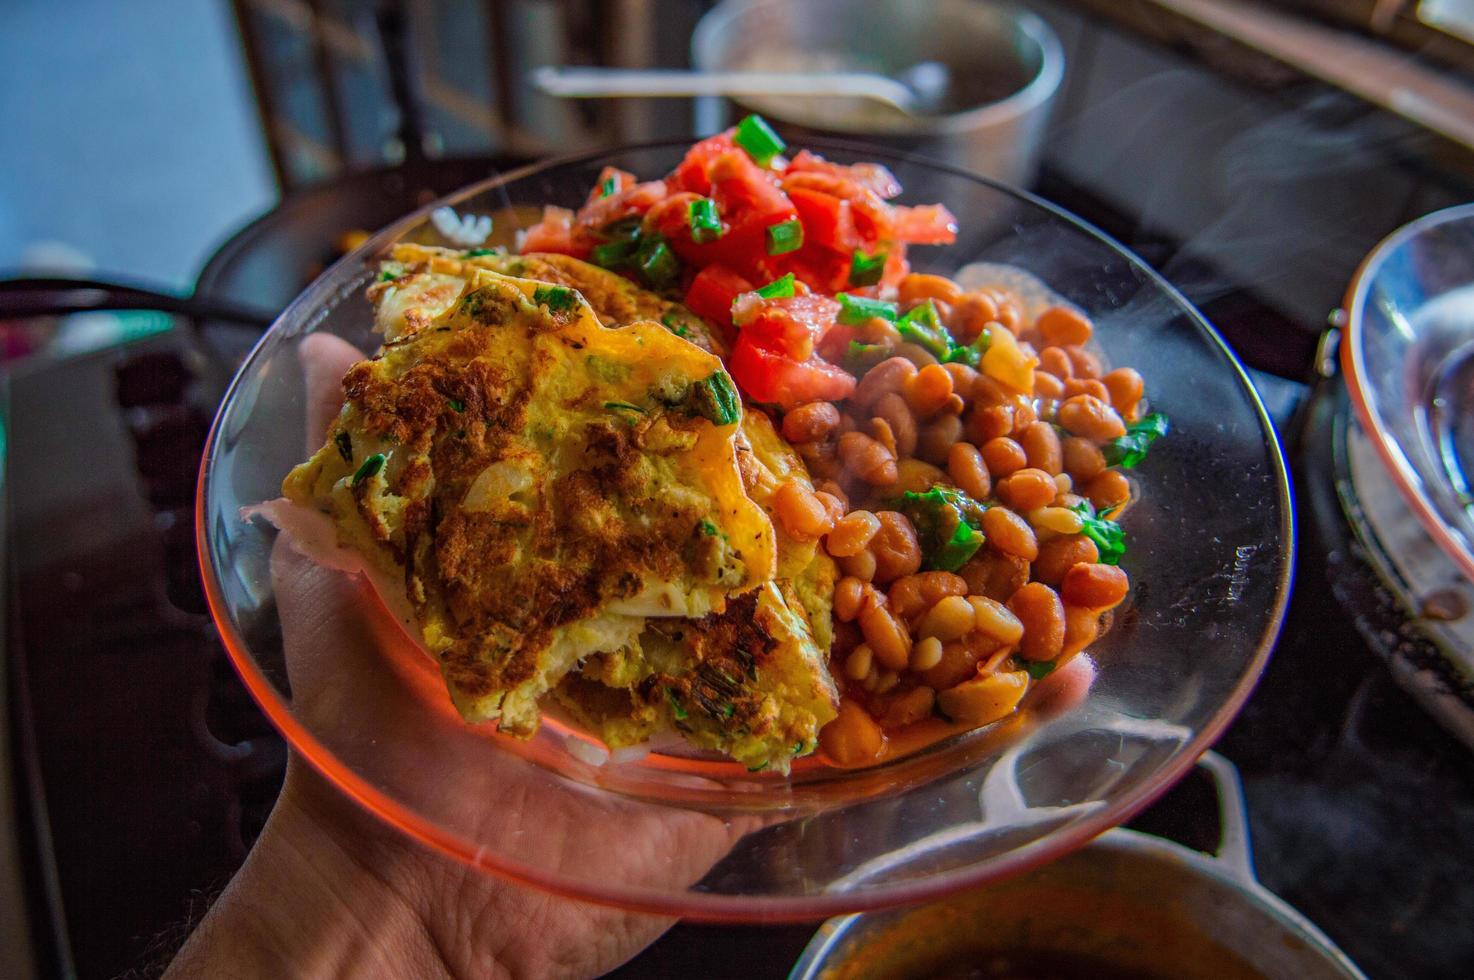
column 1128, row 904
column 996, row 45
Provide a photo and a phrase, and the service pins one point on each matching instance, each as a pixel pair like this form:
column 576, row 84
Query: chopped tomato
column 634, row 200
column 694, row 171
column 623, row 180
column 818, row 267
column 873, row 176
column 872, row 215
column 828, row 221
column 554, row 233
column 769, row 377
column 712, row 293
column 793, row 326
column 926, row 224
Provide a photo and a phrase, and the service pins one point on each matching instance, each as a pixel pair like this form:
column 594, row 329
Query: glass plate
column 1209, row 551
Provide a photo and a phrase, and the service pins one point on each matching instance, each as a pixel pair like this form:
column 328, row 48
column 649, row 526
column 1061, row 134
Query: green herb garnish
column 1038, row 669
column 610, row 185
column 344, row 442
column 556, row 298
column 759, row 767
column 1131, row 448
column 756, row 137
column 782, row 288
column 370, row 467
column 473, row 253
column 679, row 329
column 706, row 226
column 1108, row 536
column 708, row 528
column 624, row 407
column 786, row 236
column 457, row 405
column 714, row 399
column 855, row 310
column 657, row 264
column 387, row 276
column 949, row 524
column 866, row 270
column 676, row 708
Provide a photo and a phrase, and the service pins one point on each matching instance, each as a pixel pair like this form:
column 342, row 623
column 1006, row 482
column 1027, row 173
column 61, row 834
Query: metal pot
column 998, row 138
column 1128, row 904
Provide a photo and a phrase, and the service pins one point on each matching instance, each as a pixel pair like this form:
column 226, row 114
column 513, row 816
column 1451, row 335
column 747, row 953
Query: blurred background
column 197, row 163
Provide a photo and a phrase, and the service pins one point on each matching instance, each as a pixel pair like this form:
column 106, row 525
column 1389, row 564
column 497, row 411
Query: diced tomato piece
column 793, row 326
column 828, row 221
column 873, row 176
column 623, row 181
column 767, row 376
column 693, row 173
column 872, row 215
column 926, row 224
column 634, row 200
column 554, row 233
column 712, row 293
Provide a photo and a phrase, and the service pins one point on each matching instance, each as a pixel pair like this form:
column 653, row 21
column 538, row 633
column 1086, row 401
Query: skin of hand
column 331, row 890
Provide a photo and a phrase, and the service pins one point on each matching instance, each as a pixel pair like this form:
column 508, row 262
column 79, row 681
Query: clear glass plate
column 1408, row 357
column 1209, row 548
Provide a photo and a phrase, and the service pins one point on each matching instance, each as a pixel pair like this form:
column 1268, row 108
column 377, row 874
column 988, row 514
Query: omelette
column 557, row 466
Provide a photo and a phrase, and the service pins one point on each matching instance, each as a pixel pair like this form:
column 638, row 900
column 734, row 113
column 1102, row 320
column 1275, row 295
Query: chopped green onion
column 706, row 225
column 948, row 523
column 477, row 252
column 1107, row 535
column 344, row 442
column 855, row 310
column 610, row 185
column 679, row 329
column 457, row 405
column 387, row 276
column 708, row 528
column 969, row 354
column 1039, row 669
column 756, row 137
column 370, row 466
column 786, row 236
column 759, row 767
column 625, row 407
column 715, row 400
column 921, row 326
column 676, row 708
column 1131, row 448
column 860, row 358
column 782, row 288
column 798, row 747
column 556, row 298
column 658, row 265
column 866, row 270
column 611, row 254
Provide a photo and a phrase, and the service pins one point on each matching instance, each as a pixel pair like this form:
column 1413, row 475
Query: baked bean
column 1058, row 555
column 986, row 422
column 996, row 621
column 994, row 574
column 867, row 459
column 834, row 490
column 834, row 507
column 1094, row 586
column 1024, row 416
column 915, row 353
column 861, row 566
column 958, row 662
column 1064, row 483
column 963, row 378
column 1125, row 387
column 897, row 414
column 970, row 315
column 1087, row 386
column 909, row 708
column 926, row 653
column 1054, row 360
column 984, row 700
column 895, row 548
column 889, row 375
column 948, row 619
column 880, row 431
column 1009, row 533
column 914, row 594
column 1042, row 447
column 1082, row 626
column 851, row 534
column 1038, row 607
column 821, row 459
column 1055, row 520
column 1048, row 387
column 859, row 663
column 852, row 738
column 1010, row 316
column 802, row 514
column 1082, row 458
column 928, row 390
column 810, row 422
column 917, row 287
column 878, row 330
column 1060, row 325
column 1026, row 489
column 937, row 437
column 954, row 405
column 849, row 592
column 1084, row 361
column 989, row 391
column 917, row 476
column 888, row 680
column 1091, row 417
column 887, row 638
column 1108, row 489
column 966, row 468
column 1004, row 456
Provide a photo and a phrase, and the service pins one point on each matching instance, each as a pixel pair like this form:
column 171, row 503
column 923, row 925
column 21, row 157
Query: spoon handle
column 578, row 82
